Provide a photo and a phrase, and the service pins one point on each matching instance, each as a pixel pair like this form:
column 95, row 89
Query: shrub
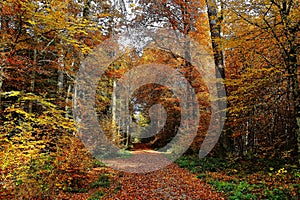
column 40, row 155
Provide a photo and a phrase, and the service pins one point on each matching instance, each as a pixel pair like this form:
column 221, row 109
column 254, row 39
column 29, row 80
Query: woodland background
column 43, row 44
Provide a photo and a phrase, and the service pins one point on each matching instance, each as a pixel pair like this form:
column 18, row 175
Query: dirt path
column 165, row 183
column 142, row 161
column 170, row 182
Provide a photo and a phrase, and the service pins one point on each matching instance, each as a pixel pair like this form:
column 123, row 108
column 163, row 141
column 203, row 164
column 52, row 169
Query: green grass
column 246, row 179
column 98, row 163
column 97, row 195
column 103, row 181
column 122, row 153
column 196, row 165
column 241, row 190
column 76, row 190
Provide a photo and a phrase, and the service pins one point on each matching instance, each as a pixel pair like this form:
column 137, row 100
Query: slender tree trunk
column 215, row 30
column 113, row 111
column 32, row 81
column 68, row 101
column 114, row 101
column 60, row 81
column 215, row 20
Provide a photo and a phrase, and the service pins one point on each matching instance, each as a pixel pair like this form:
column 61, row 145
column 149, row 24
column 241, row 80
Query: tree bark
column 291, row 32
column 215, row 20
column 32, row 81
column 60, row 81
column 215, row 30
column 295, row 87
column 68, row 101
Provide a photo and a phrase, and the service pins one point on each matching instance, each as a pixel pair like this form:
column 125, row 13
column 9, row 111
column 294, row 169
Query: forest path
column 170, row 182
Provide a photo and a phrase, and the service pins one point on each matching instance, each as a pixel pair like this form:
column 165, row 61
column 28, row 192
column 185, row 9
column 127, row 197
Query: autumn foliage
column 44, row 43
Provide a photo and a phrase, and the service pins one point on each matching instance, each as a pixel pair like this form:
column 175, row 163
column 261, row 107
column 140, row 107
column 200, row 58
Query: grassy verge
column 246, row 179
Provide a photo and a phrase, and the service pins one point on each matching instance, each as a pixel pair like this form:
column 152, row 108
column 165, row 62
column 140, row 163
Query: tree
column 42, row 43
column 215, row 17
column 262, row 48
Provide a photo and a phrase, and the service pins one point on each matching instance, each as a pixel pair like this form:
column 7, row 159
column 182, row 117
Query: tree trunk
column 215, row 20
column 295, row 87
column 115, row 136
column 60, row 81
column 68, row 101
column 32, row 81
column 290, row 57
column 215, row 31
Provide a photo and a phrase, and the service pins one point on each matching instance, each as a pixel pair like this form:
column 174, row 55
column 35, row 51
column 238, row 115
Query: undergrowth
column 245, row 179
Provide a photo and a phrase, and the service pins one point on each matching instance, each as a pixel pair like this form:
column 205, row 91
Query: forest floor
column 189, row 178
column 248, row 177
column 170, row 182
